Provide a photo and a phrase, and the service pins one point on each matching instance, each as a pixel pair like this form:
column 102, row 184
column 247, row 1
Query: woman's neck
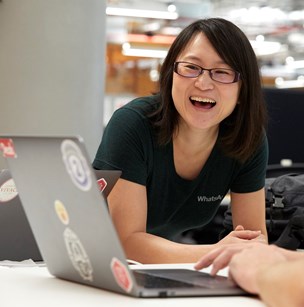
column 191, row 150
column 195, row 140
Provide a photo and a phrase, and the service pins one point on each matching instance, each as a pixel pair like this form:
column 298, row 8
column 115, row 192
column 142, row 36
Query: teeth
column 206, row 100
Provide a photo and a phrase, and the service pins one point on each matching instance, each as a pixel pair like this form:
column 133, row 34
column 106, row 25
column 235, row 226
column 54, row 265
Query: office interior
column 137, row 45
column 66, row 66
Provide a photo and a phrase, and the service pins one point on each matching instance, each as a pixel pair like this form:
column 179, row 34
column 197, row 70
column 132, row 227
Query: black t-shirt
column 174, row 204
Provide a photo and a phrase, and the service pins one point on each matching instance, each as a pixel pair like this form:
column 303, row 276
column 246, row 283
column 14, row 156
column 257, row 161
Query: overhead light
column 126, row 12
column 129, row 50
column 263, row 48
column 281, row 83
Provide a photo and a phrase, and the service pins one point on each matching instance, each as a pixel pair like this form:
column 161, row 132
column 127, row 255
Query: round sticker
column 78, row 255
column 8, row 191
column 76, row 165
column 121, row 275
column 61, row 212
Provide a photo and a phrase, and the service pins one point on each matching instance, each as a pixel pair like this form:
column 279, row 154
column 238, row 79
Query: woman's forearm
column 147, row 248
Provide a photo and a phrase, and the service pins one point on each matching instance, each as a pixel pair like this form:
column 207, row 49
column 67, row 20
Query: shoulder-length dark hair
column 242, row 131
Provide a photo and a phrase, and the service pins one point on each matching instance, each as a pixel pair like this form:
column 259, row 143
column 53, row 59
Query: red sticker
column 121, row 275
column 102, row 184
column 7, row 146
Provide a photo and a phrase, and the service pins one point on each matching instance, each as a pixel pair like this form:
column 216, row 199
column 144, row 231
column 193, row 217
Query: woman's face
column 201, row 102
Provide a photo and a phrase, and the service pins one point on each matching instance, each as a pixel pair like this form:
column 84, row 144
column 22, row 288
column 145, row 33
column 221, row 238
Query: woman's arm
column 128, row 208
column 248, row 210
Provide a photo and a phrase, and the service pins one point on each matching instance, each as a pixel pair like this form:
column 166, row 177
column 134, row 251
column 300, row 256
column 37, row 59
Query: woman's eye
column 222, row 72
column 192, row 67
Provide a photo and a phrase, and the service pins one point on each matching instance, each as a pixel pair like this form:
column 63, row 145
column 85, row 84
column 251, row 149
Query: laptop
column 17, row 240
column 74, row 230
column 16, row 237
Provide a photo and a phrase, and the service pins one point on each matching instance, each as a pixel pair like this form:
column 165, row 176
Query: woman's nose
column 204, row 81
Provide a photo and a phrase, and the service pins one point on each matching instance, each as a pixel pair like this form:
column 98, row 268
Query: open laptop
column 17, row 241
column 73, row 227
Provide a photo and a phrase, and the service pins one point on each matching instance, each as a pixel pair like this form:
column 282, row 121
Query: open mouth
column 204, row 103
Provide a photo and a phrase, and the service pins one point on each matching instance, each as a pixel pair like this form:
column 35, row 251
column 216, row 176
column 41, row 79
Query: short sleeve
column 125, row 145
column 251, row 176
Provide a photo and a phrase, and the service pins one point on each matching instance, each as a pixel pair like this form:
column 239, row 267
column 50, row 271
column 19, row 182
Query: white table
column 34, row 286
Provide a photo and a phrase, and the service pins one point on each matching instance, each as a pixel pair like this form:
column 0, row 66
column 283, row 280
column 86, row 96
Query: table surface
column 34, row 286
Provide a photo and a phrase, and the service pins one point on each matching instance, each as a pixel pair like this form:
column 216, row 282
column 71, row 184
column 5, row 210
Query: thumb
column 239, row 227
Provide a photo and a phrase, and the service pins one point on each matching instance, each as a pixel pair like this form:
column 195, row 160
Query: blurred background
column 138, row 34
column 66, row 65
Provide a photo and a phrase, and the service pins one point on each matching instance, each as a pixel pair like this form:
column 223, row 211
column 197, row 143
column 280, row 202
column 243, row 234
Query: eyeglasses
column 222, row 75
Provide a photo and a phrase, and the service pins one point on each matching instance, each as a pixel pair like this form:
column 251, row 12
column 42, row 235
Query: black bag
column 284, row 211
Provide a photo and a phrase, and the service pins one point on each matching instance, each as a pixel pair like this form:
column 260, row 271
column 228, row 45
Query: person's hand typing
column 233, row 243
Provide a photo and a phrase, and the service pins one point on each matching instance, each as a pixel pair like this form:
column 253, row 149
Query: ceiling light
column 128, row 50
column 126, row 12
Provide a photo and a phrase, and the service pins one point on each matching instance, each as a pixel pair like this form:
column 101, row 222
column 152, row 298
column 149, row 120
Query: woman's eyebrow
column 195, row 58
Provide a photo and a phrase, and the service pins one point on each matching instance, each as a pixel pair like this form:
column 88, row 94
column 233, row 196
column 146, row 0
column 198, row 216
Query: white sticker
column 8, row 191
column 78, row 255
column 76, row 165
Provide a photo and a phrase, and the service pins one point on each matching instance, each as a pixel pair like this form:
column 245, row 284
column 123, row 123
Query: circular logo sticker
column 121, row 275
column 78, row 255
column 8, row 191
column 61, row 212
column 76, row 165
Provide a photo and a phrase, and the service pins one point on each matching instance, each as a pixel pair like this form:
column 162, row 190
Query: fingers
column 208, row 259
column 239, row 227
column 219, row 258
column 223, row 259
column 261, row 238
column 245, row 234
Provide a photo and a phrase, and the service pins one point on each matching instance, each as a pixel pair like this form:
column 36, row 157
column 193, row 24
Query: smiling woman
column 182, row 149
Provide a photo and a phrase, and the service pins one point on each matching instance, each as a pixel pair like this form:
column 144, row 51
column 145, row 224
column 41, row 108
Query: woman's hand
column 241, row 235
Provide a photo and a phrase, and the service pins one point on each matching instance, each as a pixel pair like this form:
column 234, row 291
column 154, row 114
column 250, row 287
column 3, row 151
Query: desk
column 34, row 286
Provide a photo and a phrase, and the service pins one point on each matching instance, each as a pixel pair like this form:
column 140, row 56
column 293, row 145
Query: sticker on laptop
column 8, row 149
column 78, row 255
column 76, row 165
column 8, row 191
column 102, row 183
column 61, row 212
column 121, row 275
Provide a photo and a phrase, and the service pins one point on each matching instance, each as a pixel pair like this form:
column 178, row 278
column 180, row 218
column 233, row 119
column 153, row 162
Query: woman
column 182, row 150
